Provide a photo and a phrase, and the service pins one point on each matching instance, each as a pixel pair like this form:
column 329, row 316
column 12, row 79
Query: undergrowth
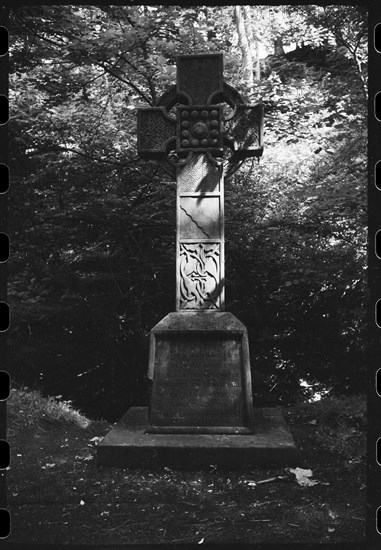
column 340, row 424
column 29, row 408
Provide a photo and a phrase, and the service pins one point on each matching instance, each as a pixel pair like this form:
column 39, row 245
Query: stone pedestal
column 201, row 410
column 200, row 367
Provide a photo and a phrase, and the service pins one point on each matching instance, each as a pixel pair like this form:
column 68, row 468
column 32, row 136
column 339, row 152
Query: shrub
column 341, row 423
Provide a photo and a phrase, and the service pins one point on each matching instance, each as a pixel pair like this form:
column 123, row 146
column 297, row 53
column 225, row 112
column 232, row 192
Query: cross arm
column 156, row 129
column 244, row 131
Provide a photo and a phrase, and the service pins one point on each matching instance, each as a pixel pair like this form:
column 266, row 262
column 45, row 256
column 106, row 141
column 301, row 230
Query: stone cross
column 188, row 132
column 199, row 355
column 201, row 409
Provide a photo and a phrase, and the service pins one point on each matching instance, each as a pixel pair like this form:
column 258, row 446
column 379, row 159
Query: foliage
column 29, row 409
column 305, row 251
column 94, row 226
column 340, row 426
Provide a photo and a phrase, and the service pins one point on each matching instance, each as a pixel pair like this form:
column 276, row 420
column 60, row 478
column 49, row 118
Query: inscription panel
column 197, row 382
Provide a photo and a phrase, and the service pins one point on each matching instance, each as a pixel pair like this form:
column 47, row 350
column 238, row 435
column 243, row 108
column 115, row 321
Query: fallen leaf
column 48, row 465
column 87, row 457
column 201, row 541
column 302, row 477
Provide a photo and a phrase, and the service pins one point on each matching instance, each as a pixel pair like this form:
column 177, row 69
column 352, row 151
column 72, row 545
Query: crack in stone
column 194, row 221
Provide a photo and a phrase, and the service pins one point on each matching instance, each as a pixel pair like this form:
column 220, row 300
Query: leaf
column 332, row 515
column 302, row 477
column 48, row 465
column 86, row 458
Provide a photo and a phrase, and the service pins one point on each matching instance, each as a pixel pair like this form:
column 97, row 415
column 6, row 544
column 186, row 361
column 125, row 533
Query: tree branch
column 55, row 148
column 128, row 82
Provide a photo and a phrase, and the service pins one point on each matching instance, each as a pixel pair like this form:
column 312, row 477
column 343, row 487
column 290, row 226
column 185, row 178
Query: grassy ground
column 57, row 494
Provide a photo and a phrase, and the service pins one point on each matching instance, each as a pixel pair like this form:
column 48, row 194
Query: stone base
column 200, row 365
column 128, row 445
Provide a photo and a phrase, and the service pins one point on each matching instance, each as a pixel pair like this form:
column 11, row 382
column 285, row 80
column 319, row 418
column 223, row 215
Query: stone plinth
column 201, row 410
column 128, row 445
column 201, row 375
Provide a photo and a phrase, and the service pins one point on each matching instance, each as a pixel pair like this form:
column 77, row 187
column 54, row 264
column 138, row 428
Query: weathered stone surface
column 197, row 382
column 201, row 375
column 220, row 322
column 199, row 76
column 200, row 218
column 199, row 175
column 128, row 445
column 200, row 236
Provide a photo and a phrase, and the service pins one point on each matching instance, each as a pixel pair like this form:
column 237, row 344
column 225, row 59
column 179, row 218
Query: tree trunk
column 253, row 42
column 278, row 46
column 247, row 59
column 364, row 86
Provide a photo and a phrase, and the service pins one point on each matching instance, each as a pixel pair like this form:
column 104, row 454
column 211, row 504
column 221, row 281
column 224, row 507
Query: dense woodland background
column 93, row 226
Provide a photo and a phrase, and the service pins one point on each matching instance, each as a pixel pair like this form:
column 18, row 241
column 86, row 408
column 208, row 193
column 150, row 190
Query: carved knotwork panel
column 155, row 128
column 199, row 175
column 200, row 270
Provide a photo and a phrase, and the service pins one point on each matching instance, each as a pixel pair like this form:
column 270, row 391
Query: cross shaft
column 190, row 145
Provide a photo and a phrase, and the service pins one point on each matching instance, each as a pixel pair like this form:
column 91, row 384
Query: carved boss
column 189, row 118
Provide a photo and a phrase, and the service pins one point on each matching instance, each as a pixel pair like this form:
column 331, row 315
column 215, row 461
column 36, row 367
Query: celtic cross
column 190, row 133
